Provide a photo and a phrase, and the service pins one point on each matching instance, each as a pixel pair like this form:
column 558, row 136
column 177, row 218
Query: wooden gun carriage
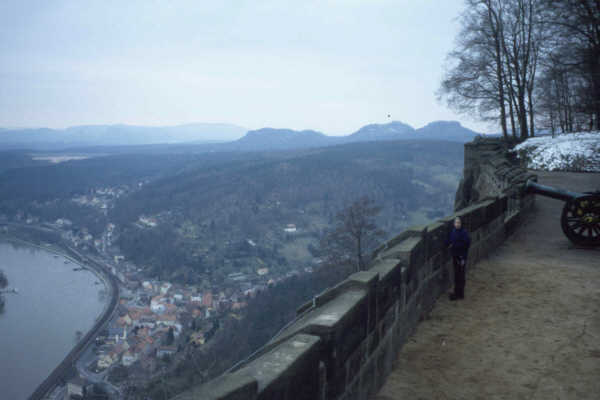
column 580, row 219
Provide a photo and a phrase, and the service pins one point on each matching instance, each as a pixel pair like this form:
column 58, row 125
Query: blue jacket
column 460, row 241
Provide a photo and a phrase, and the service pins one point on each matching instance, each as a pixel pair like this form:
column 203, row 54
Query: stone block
column 356, row 360
column 409, row 232
column 362, row 279
column 388, row 286
column 368, row 379
column 437, row 261
column 503, row 202
column 387, row 321
column 437, row 234
column 403, row 296
column 511, row 222
column 369, row 281
column 341, row 323
column 411, row 250
column 373, row 341
column 493, row 209
column 474, row 216
column 411, row 288
column 389, row 354
column 403, row 328
column 352, row 390
column 234, row 386
column 288, row 371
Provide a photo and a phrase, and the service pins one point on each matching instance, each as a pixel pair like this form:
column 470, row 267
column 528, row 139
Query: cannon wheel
column 580, row 220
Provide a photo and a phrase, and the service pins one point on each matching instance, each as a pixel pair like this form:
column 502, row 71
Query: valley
column 219, row 247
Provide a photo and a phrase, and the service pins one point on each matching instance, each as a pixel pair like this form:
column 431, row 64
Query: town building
column 128, row 358
column 75, row 388
column 166, row 351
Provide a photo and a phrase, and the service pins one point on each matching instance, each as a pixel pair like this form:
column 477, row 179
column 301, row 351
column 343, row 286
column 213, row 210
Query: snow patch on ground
column 576, row 152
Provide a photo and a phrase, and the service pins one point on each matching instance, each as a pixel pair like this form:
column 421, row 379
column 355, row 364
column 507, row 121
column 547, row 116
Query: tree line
column 527, row 65
column 3, row 284
column 3, row 280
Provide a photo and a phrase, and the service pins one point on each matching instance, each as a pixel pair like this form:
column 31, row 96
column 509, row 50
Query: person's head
column 457, row 223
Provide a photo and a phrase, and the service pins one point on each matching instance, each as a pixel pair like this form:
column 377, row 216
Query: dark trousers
column 459, row 276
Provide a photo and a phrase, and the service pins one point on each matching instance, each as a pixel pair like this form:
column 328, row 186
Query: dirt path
column 529, row 327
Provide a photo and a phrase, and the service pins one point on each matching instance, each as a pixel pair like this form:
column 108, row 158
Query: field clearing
column 297, row 250
column 58, row 159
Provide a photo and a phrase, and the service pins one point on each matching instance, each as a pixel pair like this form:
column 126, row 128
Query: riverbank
column 60, row 251
column 64, row 369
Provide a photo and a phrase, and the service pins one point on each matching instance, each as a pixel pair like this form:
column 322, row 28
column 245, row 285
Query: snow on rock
column 566, row 152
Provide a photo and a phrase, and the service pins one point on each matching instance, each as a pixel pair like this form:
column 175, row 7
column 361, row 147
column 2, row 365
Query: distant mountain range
column 281, row 139
column 118, row 135
column 391, row 131
column 287, row 139
column 222, row 137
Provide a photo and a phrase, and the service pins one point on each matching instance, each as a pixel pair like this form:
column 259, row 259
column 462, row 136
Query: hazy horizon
column 328, row 66
column 234, row 125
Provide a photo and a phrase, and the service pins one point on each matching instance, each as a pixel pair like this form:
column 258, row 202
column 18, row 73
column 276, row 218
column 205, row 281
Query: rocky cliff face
column 489, row 170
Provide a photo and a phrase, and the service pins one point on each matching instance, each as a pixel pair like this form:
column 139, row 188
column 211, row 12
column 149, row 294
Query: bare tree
column 572, row 61
column 476, row 77
column 526, row 61
column 520, row 34
column 556, row 94
column 354, row 235
column 495, row 62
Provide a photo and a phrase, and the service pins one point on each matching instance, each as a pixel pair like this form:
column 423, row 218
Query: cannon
column 580, row 219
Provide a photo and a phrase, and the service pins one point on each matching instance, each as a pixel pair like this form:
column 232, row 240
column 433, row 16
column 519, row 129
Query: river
column 39, row 325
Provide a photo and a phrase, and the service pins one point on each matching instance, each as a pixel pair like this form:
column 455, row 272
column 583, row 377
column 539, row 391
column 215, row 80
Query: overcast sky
column 331, row 65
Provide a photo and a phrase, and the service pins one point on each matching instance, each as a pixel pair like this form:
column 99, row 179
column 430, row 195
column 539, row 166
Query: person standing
column 459, row 243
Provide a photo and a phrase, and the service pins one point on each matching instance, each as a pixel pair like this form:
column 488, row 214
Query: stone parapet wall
column 344, row 343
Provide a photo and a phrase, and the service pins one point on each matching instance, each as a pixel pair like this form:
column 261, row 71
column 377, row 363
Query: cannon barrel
column 549, row 191
column 580, row 218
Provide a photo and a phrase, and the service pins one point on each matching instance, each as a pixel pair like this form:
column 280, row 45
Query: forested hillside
column 218, row 219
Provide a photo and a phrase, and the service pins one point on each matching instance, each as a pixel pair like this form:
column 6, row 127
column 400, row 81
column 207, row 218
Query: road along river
column 54, row 308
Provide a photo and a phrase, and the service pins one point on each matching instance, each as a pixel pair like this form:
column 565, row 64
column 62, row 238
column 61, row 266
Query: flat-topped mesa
column 343, row 343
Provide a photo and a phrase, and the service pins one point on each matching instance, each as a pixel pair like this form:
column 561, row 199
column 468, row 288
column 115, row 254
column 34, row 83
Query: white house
column 105, row 361
column 157, row 308
column 128, row 358
column 76, row 387
column 118, row 259
column 165, row 350
column 148, row 221
column 165, row 288
column 166, row 320
column 157, row 304
column 146, row 321
column 63, row 222
column 290, row 228
column 121, row 338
